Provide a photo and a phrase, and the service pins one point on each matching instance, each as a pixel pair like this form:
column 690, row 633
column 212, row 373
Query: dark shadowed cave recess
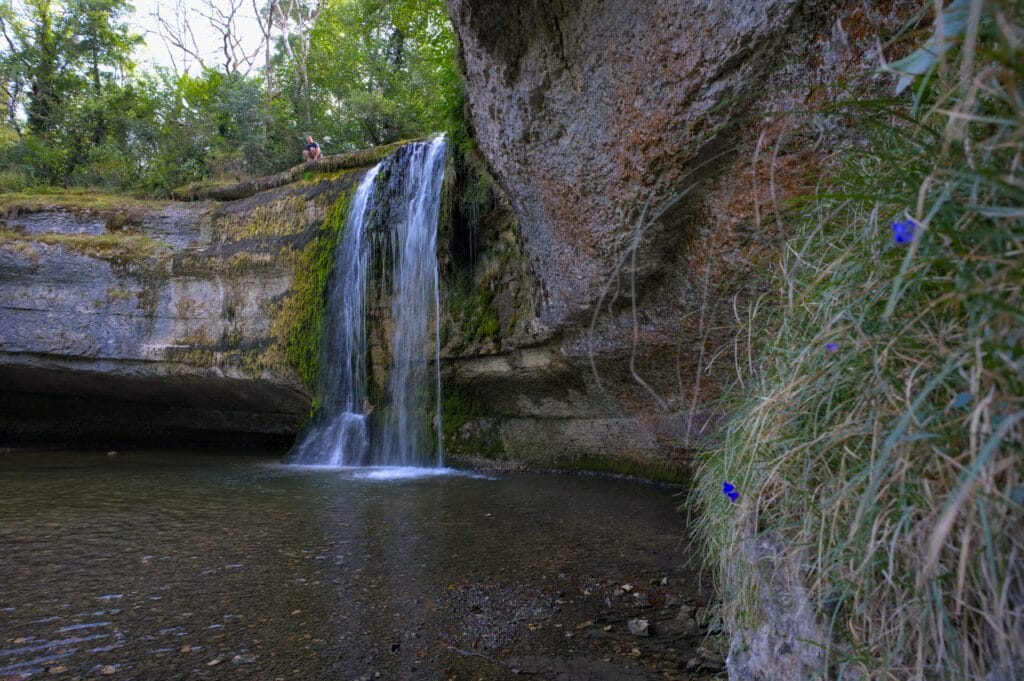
column 61, row 408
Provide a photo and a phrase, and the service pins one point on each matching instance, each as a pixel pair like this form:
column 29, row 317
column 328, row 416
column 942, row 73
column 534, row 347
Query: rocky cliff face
column 647, row 155
column 598, row 257
column 598, row 116
column 139, row 321
column 648, row 150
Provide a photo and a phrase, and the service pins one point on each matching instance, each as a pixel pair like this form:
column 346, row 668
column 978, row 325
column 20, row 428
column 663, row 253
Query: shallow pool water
column 172, row 565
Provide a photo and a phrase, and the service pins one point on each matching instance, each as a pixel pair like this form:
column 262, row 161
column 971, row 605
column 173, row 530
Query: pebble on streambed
column 639, row 627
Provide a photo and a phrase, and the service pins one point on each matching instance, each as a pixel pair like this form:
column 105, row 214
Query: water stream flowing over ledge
column 388, row 248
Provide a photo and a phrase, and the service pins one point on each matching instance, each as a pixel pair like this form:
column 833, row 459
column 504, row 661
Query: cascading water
column 393, row 222
column 414, row 299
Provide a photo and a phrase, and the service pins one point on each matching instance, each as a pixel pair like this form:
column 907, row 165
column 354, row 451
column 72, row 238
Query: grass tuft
column 880, row 436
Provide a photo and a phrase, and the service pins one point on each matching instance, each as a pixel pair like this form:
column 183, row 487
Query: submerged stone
column 639, row 627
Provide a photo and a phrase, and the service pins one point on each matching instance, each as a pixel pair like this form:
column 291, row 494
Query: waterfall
column 391, row 231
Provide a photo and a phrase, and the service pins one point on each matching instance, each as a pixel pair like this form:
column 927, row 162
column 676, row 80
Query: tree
column 387, row 69
column 34, row 62
column 104, row 43
column 296, row 19
column 355, row 72
column 60, row 60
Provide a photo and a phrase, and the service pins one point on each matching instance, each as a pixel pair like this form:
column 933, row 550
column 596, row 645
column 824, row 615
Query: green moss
column 480, row 319
column 284, row 216
column 252, row 362
column 199, row 337
column 118, row 294
column 470, row 318
column 457, row 407
column 24, row 247
column 231, row 350
column 187, row 353
column 246, row 261
column 488, row 283
column 243, row 262
column 78, row 201
column 356, row 159
column 195, row 191
column 298, row 321
column 303, row 172
column 126, row 218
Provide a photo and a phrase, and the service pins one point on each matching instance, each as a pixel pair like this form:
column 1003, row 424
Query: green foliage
column 388, row 67
column 890, row 462
column 15, row 180
column 211, row 125
column 77, row 114
column 65, row 64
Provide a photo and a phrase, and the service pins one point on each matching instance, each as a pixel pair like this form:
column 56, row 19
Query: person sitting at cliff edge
column 312, row 150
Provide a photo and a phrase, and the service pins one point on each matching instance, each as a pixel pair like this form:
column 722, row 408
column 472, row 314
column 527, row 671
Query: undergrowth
column 880, row 429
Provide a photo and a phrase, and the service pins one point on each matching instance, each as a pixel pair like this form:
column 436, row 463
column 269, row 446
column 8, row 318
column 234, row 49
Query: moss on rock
column 119, row 209
column 304, row 171
column 281, row 217
column 298, row 319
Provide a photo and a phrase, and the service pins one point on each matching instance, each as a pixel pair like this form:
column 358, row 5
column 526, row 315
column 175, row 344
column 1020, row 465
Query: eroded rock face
column 595, row 115
column 648, row 156
column 788, row 643
column 167, row 329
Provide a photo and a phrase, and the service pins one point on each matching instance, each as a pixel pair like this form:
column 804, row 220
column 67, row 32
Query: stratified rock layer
column 166, row 328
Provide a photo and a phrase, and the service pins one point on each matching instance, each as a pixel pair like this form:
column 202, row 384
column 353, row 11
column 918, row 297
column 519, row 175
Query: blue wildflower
column 962, row 400
column 903, row 231
column 730, row 491
column 832, row 347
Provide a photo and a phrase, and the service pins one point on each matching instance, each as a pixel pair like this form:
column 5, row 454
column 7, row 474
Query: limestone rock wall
column 167, row 327
column 596, row 115
column 647, row 157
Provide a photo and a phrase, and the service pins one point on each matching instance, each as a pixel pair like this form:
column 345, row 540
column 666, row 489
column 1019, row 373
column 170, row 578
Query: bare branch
column 303, row 16
column 175, row 29
column 266, row 24
column 224, row 18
